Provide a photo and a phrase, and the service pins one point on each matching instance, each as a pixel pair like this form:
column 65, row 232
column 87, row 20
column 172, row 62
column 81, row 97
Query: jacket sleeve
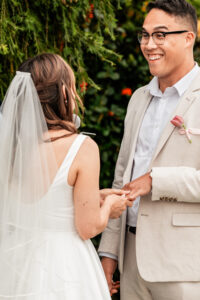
column 176, row 184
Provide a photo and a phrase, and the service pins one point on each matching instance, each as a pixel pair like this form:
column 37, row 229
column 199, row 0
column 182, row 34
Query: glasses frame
column 164, row 33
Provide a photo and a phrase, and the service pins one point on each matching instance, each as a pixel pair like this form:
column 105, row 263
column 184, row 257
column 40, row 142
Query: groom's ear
column 190, row 39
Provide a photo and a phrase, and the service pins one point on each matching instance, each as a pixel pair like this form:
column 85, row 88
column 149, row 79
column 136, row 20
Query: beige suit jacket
column 168, row 227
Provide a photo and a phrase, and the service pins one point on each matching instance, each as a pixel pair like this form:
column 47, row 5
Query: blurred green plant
column 74, row 29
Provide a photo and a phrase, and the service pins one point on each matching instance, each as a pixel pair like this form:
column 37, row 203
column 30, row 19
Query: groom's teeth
column 155, row 57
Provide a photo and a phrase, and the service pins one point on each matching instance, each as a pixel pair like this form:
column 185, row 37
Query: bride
column 50, row 203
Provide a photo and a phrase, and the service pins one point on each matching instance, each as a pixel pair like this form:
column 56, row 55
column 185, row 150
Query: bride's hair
column 53, row 78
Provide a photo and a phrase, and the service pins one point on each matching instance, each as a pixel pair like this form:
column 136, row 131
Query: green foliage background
column 99, row 43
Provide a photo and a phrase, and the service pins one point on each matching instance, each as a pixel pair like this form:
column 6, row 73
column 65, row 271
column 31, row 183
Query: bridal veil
column 25, row 180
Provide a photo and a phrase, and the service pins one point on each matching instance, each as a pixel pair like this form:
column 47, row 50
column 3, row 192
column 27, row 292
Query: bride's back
column 59, row 201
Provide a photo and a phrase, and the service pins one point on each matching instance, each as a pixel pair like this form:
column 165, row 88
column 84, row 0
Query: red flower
column 111, row 113
column 90, row 14
column 126, row 91
column 83, row 86
column 178, row 121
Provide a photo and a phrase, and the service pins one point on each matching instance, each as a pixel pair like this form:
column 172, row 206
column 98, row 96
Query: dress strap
column 73, row 150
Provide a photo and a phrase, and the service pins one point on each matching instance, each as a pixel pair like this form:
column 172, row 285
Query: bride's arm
column 90, row 217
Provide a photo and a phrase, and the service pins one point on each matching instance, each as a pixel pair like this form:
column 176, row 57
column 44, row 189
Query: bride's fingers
column 113, row 291
column 108, row 192
column 118, row 192
column 116, row 285
column 114, row 288
column 121, row 192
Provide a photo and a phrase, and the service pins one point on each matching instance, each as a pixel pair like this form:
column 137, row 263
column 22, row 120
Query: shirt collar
column 181, row 86
column 153, row 87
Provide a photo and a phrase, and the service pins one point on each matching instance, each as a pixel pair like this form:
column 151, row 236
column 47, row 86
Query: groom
column 157, row 241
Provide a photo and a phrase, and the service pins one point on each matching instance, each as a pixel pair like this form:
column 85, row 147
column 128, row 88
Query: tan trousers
column 133, row 287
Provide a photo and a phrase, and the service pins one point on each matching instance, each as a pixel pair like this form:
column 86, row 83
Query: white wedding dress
column 57, row 264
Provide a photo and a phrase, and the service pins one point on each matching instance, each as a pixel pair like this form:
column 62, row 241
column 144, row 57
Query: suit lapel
column 138, row 116
column 183, row 106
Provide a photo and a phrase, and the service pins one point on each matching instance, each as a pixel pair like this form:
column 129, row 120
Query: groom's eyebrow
column 156, row 28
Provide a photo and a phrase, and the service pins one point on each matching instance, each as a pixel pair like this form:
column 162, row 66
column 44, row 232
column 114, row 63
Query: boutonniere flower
column 178, row 121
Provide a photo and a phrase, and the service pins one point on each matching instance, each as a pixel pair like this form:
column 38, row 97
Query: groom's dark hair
column 177, row 8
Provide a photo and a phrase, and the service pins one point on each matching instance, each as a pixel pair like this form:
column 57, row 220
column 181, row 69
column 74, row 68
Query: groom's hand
column 139, row 187
column 109, row 266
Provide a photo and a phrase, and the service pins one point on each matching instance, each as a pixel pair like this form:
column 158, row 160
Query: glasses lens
column 143, row 37
column 158, row 38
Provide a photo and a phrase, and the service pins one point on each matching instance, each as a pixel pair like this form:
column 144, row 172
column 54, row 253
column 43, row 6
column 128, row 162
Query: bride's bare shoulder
column 62, row 145
column 90, row 145
column 88, row 152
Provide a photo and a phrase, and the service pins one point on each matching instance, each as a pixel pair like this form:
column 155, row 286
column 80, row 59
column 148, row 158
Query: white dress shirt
column 159, row 112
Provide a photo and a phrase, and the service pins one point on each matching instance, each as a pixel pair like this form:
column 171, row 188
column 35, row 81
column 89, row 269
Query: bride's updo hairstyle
column 55, row 84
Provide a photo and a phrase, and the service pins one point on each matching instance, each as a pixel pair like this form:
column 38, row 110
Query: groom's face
column 166, row 60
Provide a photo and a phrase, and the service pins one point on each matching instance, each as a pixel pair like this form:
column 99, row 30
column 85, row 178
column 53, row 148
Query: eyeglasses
column 158, row 36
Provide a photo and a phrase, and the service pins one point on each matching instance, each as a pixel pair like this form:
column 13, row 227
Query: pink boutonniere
column 178, row 121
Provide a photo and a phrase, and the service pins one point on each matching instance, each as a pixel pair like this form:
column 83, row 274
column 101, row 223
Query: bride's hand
column 118, row 205
column 106, row 192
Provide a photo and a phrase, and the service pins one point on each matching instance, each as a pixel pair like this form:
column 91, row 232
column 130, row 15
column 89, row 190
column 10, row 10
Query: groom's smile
column 154, row 57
